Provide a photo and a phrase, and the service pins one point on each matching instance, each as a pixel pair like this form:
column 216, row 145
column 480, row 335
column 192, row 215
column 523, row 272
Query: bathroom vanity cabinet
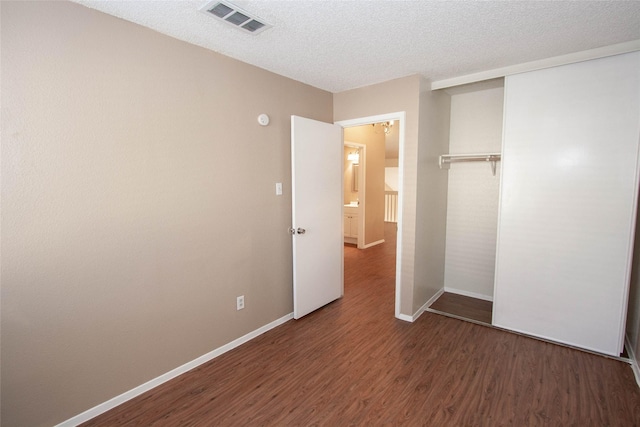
column 351, row 225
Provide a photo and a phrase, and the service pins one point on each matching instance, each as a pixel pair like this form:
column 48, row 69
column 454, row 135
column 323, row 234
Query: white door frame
column 362, row 188
column 401, row 118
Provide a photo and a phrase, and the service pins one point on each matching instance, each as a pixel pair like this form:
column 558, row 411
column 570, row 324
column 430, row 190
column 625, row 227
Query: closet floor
column 463, row 307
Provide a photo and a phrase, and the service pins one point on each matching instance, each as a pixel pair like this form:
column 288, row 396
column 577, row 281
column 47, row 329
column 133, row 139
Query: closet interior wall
column 472, row 200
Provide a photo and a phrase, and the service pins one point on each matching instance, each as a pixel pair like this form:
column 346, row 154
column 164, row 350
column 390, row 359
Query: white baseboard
column 405, row 317
column 634, row 360
column 351, row 240
column 422, row 309
column 118, row 400
column 379, row 242
column 468, row 294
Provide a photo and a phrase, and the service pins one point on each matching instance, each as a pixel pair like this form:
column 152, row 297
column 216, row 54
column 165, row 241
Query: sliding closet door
column 567, row 205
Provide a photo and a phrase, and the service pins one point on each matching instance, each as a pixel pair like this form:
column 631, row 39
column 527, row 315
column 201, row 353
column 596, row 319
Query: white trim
column 630, row 247
column 634, row 361
column 468, row 294
column 371, row 119
column 554, row 61
column 128, row 395
column 421, row 309
column 401, row 117
column 368, row 245
column 405, row 317
column 427, row 304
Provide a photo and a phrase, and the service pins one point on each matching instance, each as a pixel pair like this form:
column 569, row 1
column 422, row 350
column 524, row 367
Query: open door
column 316, row 174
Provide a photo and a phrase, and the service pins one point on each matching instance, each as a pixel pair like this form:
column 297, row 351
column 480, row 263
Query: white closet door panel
column 567, row 204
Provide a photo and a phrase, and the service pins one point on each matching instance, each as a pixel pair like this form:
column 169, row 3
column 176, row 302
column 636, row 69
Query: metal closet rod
column 447, row 159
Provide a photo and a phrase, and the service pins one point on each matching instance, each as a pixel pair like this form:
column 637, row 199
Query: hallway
column 353, row 363
column 372, row 271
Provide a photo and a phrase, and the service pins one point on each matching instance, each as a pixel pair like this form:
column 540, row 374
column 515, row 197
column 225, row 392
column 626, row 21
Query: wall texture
column 472, row 201
column 137, row 202
column 374, row 179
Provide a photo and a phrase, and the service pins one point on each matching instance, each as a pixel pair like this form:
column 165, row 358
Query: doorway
column 398, row 119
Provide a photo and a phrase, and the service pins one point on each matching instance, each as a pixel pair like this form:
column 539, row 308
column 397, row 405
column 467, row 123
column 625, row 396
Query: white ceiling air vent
column 235, row 16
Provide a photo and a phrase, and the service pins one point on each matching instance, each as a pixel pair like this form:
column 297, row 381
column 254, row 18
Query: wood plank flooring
column 352, row 363
column 464, row 307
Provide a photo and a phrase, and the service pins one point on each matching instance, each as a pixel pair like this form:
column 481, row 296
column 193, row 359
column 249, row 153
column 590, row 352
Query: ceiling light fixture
column 354, row 157
column 386, row 126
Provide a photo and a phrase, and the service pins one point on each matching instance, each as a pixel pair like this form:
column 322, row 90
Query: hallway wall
column 374, row 179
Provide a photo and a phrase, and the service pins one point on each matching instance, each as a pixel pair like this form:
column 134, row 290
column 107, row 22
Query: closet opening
column 463, row 307
column 473, row 165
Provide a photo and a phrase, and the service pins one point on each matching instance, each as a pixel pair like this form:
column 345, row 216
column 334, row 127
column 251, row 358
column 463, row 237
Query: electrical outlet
column 240, row 302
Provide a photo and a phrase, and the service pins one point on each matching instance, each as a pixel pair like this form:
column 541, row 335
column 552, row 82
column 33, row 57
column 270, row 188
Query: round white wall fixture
column 263, row 119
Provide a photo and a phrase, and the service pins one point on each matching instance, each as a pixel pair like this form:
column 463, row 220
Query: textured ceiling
column 340, row 45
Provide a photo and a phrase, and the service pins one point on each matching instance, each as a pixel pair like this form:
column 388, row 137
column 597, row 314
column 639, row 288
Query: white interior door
column 316, row 172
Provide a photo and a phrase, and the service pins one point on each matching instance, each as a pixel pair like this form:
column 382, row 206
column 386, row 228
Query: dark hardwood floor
column 353, row 363
column 464, row 307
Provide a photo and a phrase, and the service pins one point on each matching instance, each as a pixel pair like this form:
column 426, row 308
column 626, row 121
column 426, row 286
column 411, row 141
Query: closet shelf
column 446, row 159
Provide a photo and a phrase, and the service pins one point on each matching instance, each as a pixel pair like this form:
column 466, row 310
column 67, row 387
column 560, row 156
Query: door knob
column 301, row 230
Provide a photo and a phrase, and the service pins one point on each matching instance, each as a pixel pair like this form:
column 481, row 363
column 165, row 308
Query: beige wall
column 393, row 96
column 374, row 179
column 137, row 202
column 431, row 204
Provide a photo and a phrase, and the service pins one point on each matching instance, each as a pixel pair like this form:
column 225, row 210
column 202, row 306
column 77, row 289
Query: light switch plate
column 278, row 189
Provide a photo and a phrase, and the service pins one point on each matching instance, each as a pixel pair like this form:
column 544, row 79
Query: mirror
column 354, row 177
